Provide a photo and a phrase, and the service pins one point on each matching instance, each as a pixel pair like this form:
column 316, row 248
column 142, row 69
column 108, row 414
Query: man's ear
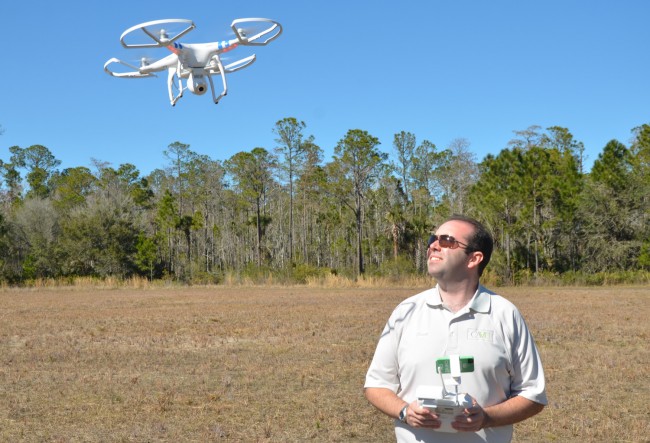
column 475, row 258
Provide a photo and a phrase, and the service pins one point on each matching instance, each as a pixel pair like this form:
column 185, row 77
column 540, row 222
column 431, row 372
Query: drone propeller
column 163, row 35
column 141, row 61
column 145, row 61
column 244, row 31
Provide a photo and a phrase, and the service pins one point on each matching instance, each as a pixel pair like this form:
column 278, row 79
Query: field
column 274, row 364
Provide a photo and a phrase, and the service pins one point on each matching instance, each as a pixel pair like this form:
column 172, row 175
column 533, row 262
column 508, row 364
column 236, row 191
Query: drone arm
column 131, row 74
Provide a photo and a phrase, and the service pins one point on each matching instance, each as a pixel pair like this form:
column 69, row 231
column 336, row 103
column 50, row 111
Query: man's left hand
column 472, row 420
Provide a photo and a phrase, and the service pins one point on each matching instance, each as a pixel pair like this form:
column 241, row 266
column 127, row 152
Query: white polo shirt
column 489, row 328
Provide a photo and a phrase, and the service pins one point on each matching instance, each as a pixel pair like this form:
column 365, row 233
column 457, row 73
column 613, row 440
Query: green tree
column 564, row 223
column 293, row 149
column 6, row 256
column 528, row 197
column 497, row 198
column 613, row 167
column 71, row 187
column 126, row 179
column 204, row 197
column 251, row 173
column 36, row 238
column 100, row 238
column 312, row 202
column 40, row 164
column 457, row 173
column 187, row 224
column 527, row 138
column 395, row 214
column 355, row 169
column 561, row 139
column 145, row 255
column 640, row 150
column 12, row 179
column 427, row 191
column 184, row 179
column 180, row 157
column 615, row 206
column 426, row 160
column 404, row 144
column 166, row 221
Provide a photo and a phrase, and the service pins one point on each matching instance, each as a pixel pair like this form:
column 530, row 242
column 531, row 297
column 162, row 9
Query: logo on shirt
column 477, row 334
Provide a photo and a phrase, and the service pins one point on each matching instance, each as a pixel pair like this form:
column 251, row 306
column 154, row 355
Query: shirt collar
column 480, row 302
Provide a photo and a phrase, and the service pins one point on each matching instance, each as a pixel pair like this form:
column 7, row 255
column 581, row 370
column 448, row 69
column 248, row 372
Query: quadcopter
column 190, row 63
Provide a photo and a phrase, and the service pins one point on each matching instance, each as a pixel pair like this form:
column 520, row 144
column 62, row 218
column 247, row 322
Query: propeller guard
column 272, row 32
column 234, row 66
column 155, row 30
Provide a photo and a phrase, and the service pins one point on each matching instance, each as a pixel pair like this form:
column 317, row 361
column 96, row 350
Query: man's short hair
column 481, row 240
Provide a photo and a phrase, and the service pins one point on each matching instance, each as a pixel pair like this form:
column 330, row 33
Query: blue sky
column 477, row 70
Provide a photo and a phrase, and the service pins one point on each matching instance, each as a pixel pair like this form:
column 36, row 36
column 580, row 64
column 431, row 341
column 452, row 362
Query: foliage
column 396, row 269
column 355, row 169
column 145, row 256
column 286, row 216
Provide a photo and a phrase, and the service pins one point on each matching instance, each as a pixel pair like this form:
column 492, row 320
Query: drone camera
column 197, row 84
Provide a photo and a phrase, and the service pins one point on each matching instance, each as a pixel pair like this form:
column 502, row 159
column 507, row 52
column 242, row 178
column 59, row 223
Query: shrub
column 397, row 269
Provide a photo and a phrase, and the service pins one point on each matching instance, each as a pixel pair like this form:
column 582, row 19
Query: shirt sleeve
column 384, row 368
column 528, row 373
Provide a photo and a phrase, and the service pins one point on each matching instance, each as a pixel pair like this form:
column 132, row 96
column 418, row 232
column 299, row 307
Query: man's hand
column 420, row 417
column 473, row 419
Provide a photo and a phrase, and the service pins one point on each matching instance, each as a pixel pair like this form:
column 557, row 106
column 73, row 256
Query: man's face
column 450, row 263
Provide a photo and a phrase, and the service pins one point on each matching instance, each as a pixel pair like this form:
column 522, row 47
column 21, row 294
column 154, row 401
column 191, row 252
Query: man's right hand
column 420, row 417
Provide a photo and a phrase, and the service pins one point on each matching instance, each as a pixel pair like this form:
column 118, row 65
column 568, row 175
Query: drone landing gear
column 216, row 99
column 170, row 86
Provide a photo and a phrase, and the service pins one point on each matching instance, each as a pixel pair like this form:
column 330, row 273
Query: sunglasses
column 446, row 241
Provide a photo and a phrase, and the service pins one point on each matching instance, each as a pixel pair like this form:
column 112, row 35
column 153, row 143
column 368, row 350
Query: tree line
column 287, row 212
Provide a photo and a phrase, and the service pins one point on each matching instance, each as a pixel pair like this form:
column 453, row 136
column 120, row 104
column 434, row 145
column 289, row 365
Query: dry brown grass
column 284, row 364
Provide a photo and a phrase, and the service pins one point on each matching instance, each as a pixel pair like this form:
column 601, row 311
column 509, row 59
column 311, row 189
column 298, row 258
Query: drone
column 190, row 63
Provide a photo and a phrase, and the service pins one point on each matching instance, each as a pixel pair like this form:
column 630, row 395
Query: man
column 458, row 316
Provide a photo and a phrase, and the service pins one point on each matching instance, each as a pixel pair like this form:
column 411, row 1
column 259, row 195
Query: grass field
column 285, row 364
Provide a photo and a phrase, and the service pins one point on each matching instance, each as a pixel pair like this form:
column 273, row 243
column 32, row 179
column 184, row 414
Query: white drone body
column 192, row 63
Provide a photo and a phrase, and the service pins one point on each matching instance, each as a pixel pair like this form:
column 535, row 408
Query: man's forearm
column 511, row 411
column 385, row 400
